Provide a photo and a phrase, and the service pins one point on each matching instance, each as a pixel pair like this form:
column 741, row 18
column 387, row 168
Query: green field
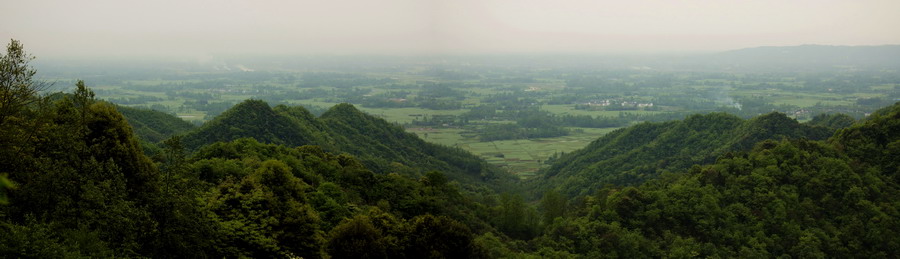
column 523, row 157
column 569, row 109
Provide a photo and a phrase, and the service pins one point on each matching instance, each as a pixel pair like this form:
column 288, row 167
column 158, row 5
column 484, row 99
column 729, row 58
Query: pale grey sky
column 198, row 28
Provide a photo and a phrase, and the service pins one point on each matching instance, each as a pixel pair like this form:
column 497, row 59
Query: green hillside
column 154, row 126
column 633, row 155
column 789, row 198
column 84, row 189
column 250, row 119
column 380, row 145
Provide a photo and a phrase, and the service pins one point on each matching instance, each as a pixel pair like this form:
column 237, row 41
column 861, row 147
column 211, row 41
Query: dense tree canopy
column 378, row 144
column 632, row 155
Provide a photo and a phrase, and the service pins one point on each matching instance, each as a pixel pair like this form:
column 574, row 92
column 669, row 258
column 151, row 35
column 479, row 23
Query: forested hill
column 154, row 126
column 380, row 145
column 633, row 155
column 875, row 142
column 251, row 119
column 787, row 199
column 84, row 189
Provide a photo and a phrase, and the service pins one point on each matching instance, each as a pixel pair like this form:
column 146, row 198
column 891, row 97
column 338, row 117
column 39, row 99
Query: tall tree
column 17, row 86
column 554, row 206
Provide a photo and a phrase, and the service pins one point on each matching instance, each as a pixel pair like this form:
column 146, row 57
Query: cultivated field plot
column 524, row 157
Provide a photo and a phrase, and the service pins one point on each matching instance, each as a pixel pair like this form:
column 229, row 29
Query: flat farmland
column 523, row 157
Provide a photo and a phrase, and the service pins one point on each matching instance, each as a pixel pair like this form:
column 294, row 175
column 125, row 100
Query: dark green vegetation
column 259, row 181
column 633, row 155
column 799, row 198
column 152, row 125
column 381, row 146
column 78, row 185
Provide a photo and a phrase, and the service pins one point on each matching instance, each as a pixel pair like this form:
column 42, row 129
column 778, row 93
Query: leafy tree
column 554, row 206
column 515, row 218
column 4, row 184
column 17, row 86
column 356, row 238
column 438, row 237
column 265, row 214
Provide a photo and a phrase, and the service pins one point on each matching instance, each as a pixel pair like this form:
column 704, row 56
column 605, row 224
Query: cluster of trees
column 492, row 132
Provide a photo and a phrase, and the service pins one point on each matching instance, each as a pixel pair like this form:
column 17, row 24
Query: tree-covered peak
column 298, row 112
column 772, row 120
column 633, row 155
column 252, row 106
column 874, row 141
column 344, row 111
column 774, row 125
column 833, row 120
column 379, row 145
column 713, row 122
column 253, row 119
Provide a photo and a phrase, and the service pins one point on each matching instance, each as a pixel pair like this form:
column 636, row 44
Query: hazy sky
column 197, row 28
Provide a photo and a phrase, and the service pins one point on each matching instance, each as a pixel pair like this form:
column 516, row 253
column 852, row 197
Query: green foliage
column 5, row 184
column 554, row 206
column 874, row 142
column 343, row 128
column 789, row 198
column 438, row 237
column 833, row 121
column 82, row 169
column 36, row 240
column 153, row 126
column 265, row 214
column 356, row 238
column 249, row 119
column 633, row 155
column 18, row 89
column 494, row 132
column 515, row 218
column 340, row 188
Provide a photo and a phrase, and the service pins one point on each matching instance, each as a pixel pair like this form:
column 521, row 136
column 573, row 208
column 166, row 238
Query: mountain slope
column 875, row 141
column 250, row 119
column 380, row 145
column 153, row 126
column 635, row 154
column 790, row 198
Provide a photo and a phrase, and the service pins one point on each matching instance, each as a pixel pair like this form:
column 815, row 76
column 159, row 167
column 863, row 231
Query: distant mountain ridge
column 811, row 56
